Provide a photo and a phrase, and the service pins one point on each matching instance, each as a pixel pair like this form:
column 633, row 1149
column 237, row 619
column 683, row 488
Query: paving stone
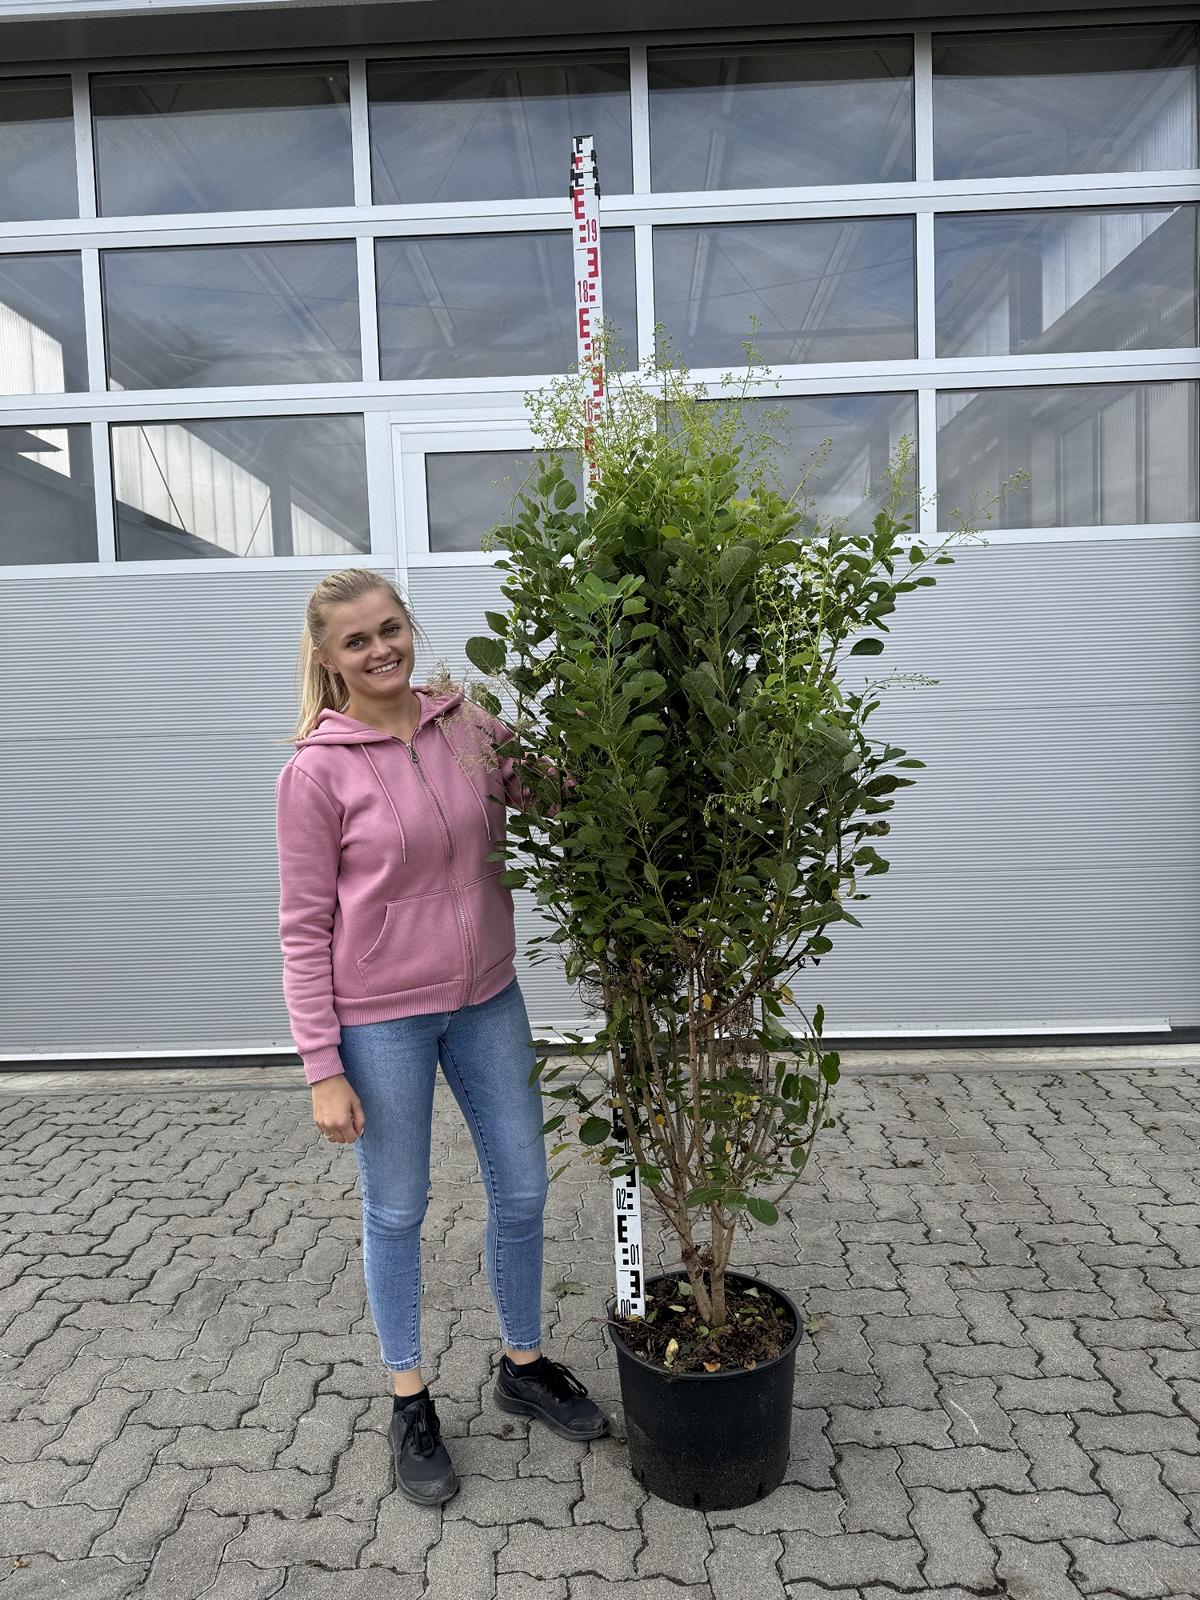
column 187, row 1560
column 1147, row 1567
column 232, row 1491
column 888, row 1425
column 271, row 1540
column 967, row 1467
column 677, row 1544
column 1056, row 1396
column 957, row 1550
column 64, row 1532
column 96, row 1578
column 983, row 1360
column 39, row 1483
column 308, row 1582
column 1146, row 1510
column 586, row 1586
column 790, row 1506
column 1138, row 1386
column 1060, row 1351
column 543, row 1553
column 253, row 1449
column 973, row 1413
column 1048, row 1514
column 404, row 1535
column 875, row 1499
column 610, row 1493
column 520, row 1586
column 851, row 1559
column 904, row 1378
column 1055, row 1459
column 1134, row 1433
column 745, row 1564
column 462, row 1564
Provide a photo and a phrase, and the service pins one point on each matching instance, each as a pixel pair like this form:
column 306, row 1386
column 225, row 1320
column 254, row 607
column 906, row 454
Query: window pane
column 1064, row 100
column 492, row 305
column 47, row 499
column 849, row 481
column 824, row 291
column 1105, row 453
column 469, row 491
column 495, row 129
column 37, row 150
column 223, row 314
column 222, row 139
column 821, row 112
column 241, row 486
column 43, row 349
column 1022, row 282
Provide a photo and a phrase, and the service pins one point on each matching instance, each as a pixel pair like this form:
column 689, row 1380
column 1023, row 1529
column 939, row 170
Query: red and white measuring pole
column 589, row 294
column 589, row 312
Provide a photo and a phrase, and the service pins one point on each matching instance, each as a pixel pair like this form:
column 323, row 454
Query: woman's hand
column 337, row 1110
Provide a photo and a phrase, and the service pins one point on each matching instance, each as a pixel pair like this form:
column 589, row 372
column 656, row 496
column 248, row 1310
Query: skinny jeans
column 486, row 1053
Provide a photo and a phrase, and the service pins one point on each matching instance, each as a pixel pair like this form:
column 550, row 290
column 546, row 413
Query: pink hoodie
column 390, row 900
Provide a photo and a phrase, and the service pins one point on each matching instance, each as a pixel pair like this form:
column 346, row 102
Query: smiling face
column 369, row 643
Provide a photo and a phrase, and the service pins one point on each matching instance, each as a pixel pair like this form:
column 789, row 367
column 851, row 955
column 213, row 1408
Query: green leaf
column 595, row 1131
column 564, row 495
column 867, row 647
column 763, row 1210
column 485, row 653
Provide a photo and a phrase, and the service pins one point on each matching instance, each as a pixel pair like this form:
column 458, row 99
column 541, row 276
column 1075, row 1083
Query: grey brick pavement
column 1000, row 1393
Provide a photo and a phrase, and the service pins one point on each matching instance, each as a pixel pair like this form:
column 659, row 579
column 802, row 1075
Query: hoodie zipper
column 468, row 943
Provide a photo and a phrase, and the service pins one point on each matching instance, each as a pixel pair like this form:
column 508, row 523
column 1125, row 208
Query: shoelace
column 423, row 1427
column 561, row 1381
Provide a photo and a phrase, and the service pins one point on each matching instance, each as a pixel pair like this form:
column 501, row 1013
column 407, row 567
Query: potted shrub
column 673, row 648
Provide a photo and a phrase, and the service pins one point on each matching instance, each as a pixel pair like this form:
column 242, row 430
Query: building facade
column 274, row 281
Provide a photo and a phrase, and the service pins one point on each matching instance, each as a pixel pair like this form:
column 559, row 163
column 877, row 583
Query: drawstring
column 487, row 821
column 395, row 813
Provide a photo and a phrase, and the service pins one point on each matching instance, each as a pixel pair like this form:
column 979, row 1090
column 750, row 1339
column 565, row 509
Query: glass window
column 222, row 139
column 1117, row 99
column 823, row 291
column 43, row 348
column 497, row 128
column 37, row 150
column 1022, row 282
column 214, row 315
column 469, row 491
column 834, row 450
column 47, row 495
column 825, row 111
column 1119, row 453
column 492, row 304
column 241, row 486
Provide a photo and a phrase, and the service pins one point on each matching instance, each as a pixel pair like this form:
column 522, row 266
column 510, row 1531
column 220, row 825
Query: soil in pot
column 757, row 1327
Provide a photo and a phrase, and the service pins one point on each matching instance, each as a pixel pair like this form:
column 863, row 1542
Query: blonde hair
column 317, row 687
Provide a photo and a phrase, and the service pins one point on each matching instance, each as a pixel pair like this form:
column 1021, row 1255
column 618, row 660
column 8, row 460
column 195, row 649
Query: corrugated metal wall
column 1045, row 869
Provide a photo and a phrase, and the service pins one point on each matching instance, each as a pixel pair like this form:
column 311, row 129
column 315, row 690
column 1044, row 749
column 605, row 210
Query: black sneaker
column 424, row 1471
column 548, row 1390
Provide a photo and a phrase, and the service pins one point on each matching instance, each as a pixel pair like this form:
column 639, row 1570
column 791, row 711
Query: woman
column 398, row 943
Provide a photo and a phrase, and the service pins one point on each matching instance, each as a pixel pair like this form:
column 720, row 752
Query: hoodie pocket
column 419, row 944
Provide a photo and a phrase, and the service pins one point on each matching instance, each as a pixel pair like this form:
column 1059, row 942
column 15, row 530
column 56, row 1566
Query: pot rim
column 709, row 1377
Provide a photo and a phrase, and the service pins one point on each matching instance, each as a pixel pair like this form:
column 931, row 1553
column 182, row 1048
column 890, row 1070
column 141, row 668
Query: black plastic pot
column 710, row 1440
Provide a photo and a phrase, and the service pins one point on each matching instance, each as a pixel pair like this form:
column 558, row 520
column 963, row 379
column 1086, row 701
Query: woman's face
column 366, row 635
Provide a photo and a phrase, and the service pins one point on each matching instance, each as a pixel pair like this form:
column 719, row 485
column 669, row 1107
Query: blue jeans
column 487, row 1053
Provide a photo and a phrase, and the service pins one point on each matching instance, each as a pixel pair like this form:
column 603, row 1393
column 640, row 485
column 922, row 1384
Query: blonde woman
column 398, row 943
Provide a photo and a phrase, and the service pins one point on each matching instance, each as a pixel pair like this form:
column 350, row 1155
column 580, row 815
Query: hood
column 335, row 727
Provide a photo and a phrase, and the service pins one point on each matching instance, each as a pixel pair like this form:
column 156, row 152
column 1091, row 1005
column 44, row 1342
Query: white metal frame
column 468, row 409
